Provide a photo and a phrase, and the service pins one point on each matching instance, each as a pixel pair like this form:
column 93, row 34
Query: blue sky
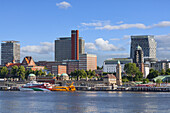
column 106, row 25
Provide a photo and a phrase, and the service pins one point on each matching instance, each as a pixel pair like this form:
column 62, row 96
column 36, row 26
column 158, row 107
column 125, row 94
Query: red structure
column 75, row 45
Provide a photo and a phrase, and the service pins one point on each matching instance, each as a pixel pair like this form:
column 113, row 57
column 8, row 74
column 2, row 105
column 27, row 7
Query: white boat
column 35, row 86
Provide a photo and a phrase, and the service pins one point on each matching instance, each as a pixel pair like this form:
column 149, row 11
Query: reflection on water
column 80, row 102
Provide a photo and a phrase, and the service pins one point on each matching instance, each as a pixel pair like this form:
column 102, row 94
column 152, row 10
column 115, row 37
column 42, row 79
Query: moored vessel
column 35, row 86
column 64, row 88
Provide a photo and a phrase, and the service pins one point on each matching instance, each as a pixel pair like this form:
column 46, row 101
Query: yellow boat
column 64, row 88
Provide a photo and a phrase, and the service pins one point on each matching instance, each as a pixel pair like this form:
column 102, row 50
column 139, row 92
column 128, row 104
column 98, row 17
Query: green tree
column 27, row 72
column 145, row 81
column 49, row 74
column 21, row 72
column 89, row 73
column 152, row 74
column 45, row 67
column 138, row 76
column 4, row 72
column 93, row 73
column 78, row 74
column 163, row 72
column 83, row 73
column 14, row 70
column 72, row 74
column 125, row 80
column 131, row 69
column 158, row 82
column 168, row 71
column 40, row 72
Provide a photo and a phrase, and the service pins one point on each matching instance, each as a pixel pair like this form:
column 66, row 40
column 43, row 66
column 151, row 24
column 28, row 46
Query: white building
column 109, row 65
column 146, row 70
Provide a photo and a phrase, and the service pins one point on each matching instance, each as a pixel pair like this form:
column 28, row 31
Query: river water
column 84, row 102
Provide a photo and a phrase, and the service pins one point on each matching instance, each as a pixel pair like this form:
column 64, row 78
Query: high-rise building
column 67, row 48
column 75, row 45
column 146, row 42
column 63, row 49
column 138, row 58
column 10, row 52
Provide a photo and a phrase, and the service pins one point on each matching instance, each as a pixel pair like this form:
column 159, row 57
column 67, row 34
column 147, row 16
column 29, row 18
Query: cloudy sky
column 105, row 25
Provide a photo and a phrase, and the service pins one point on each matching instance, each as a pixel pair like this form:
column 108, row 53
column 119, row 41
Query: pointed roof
column 138, row 48
column 28, row 60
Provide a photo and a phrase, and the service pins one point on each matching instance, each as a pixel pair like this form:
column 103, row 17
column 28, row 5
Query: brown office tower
column 75, row 45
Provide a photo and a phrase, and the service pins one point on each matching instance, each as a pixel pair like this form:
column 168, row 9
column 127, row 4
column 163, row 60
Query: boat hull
column 33, row 89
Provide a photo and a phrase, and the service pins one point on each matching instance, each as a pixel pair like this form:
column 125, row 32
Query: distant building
column 52, row 66
column 69, row 54
column 146, row 42
column 10, row 52
column 138, row 59
column 109, row 79
column 109, row 65
column 27, row 62
column 88, row 62
column 69, row 48
column 163, row 64
column 71, row 65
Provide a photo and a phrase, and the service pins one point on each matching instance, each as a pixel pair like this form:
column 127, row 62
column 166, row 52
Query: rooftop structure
column 146, row 42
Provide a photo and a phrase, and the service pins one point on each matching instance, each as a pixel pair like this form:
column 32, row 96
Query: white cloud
column 43, row 48
column 123, row 26
column 162, row 24
column 126, row 37
column 102, row 45
column 96, row 23
column 92, row 24
column 106, row 25
column 163, row 46
column 63, row 5
column 115, row 39
column 90, row 46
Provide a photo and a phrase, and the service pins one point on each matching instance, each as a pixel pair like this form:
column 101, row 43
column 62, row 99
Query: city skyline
column 106, row 28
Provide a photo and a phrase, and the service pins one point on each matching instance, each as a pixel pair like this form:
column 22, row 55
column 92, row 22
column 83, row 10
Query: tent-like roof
column 162, row 77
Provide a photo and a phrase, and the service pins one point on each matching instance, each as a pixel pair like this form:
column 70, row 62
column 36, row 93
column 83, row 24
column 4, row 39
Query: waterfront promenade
column 88, row 86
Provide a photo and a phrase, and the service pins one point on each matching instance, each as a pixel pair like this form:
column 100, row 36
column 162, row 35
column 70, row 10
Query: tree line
column 154, row 73
column 20, row 72
column 82, row 74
